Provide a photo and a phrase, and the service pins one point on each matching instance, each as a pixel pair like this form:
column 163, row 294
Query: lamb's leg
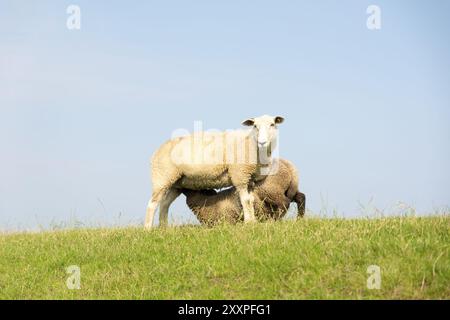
column 247, row 201
column 151, row 208
column 169, row 197
column 300, row 199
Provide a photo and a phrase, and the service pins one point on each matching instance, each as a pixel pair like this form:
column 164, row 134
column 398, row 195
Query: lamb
column 273, row 196
column 208, row 160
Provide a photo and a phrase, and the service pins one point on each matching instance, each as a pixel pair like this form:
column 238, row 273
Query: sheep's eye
column 272, row 124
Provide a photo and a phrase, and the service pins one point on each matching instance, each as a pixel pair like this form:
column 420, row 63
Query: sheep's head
column 265, row 130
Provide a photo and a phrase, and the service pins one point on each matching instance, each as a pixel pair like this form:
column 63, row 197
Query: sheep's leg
column 247, row 201
column 151, row 208
column 169, row 197
column 300, row 199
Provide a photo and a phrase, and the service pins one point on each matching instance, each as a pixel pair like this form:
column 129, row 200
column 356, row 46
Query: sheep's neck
column 264, row 167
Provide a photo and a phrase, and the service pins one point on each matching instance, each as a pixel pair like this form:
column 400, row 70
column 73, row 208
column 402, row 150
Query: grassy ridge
column 311, row 258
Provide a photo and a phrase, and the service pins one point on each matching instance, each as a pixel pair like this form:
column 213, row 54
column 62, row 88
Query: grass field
column 307, row 259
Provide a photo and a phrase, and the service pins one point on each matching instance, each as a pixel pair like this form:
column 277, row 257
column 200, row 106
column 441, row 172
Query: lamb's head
column 265, row 130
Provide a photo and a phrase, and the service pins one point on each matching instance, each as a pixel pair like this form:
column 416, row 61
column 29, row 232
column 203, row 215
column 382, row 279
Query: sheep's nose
column 262, row 143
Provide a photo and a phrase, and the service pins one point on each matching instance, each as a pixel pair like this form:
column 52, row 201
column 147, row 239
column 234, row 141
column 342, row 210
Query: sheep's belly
column 202, row 182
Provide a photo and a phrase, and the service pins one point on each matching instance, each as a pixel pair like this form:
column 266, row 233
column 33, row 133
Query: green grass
column 307, row 259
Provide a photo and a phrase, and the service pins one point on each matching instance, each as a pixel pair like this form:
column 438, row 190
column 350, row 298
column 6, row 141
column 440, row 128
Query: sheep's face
column 265, row 130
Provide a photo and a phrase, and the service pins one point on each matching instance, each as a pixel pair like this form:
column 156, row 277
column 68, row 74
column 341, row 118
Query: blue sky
column 367, row 112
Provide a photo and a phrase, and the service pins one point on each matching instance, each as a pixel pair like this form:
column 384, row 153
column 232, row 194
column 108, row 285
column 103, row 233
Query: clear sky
column 81, row 111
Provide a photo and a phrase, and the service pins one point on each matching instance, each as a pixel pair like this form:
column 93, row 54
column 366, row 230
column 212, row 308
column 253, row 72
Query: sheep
column 213, row 160
column 273, row 196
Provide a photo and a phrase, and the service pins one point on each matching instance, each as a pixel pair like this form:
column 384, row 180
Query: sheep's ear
column 279, row 120
column 249, row 122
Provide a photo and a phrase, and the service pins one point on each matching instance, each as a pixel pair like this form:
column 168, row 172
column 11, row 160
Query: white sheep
column 213, row 160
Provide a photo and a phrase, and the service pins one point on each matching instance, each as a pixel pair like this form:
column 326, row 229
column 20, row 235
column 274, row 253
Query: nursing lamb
column 273, row 196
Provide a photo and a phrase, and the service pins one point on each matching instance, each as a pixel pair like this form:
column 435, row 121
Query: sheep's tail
column 300, row 200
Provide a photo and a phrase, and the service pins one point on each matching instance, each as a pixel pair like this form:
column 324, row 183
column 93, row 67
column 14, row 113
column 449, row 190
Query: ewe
column 203, row 161
column 273, row 196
